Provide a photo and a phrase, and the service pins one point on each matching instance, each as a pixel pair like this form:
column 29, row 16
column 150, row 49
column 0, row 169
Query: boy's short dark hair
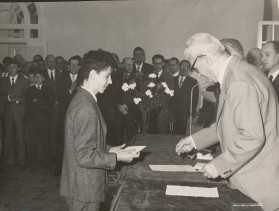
column 98, row 60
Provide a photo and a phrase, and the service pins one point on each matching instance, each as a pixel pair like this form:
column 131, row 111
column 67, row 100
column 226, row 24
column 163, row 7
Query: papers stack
column 176, row 190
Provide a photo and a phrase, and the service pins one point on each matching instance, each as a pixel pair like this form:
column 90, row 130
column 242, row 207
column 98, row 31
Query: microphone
column 192, row 155
column 191, row 105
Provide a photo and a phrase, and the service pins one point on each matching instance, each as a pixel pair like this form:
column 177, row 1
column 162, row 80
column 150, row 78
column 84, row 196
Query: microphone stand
column 191, row 106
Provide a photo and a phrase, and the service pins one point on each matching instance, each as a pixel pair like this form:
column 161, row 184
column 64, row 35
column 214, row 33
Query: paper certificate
column 137, row 148
column 202, row 156
column 175, row 190
column 172, row 168
column 199, row 166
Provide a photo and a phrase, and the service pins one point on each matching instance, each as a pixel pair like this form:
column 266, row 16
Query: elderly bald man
column 247, row 123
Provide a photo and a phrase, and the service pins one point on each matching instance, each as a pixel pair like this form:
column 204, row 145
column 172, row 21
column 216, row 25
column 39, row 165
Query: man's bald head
column 233, row 47
column 128, row 64
column 254, row 57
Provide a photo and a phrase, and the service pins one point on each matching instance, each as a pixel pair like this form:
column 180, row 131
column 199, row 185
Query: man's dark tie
column 125, row 79
column 13, row 82
column 157, row 78
column 180, row 83
column 38, row 87
column 138, row 69
column 270, row 78
column 51, row 76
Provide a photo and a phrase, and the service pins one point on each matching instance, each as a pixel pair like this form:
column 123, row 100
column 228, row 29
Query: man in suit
column 160, row 114
column 270, row 55
column 173, row 66
column 141, row 68
column 183, row 85
column 87, row 157
column 247, row 123
column 65, row 90
column 51, row 76
column 39, row 101
column 13, row 90
column 127, row 107
column 108, row 102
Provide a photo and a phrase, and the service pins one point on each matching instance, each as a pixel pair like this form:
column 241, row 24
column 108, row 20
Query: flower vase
column 145, row 121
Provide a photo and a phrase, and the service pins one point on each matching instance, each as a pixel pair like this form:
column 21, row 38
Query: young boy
column 39, row 101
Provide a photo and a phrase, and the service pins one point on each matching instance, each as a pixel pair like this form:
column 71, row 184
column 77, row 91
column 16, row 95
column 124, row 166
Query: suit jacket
column 86, row 156
column 146, row 68
column 275, row 84
column 247, row 125
column 141, row 78
column 168, row 78
column 63, row 95
column 18, row 91
column 39, row 112
column 47, row 82
column 182, row 96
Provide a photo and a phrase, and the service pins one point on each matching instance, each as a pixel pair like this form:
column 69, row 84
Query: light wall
column 159, row 26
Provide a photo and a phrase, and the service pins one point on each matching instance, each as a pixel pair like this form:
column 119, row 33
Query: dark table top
column 144, row 189
column 150, row 195
column 160, row 150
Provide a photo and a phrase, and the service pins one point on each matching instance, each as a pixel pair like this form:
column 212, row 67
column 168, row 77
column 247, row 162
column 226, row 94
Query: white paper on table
column 172, row 168
column 137, row 148
column 176, row 190
column 201, row 156
column 199, row 166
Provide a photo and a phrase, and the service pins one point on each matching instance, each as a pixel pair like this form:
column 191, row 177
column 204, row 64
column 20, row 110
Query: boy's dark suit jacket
column 38, row 105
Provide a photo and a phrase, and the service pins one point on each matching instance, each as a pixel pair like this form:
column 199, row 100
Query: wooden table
column 144, row 189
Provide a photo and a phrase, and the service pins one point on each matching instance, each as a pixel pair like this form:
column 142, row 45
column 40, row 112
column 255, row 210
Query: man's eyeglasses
column 192, row 69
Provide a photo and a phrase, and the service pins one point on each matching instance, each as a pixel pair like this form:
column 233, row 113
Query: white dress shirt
column 139, row 67
column 53, row 73
column 274, row 75
column 11, row 78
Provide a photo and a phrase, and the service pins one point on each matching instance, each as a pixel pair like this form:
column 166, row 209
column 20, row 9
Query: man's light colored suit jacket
column 247, row 127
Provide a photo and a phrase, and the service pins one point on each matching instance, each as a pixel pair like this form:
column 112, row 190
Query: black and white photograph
column 129, row 105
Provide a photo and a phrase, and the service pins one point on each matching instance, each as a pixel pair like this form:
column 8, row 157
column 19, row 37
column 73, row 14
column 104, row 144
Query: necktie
column 180, row 83
column 138, row 69
column 51, row 76
column 270, row 78
column 13, row 82
column 73, row 78
column 125, row 78
column 157, row 78
column 38, row 87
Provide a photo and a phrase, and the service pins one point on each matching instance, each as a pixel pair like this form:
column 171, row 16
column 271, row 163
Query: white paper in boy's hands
column 199, row 166
column 136, row 148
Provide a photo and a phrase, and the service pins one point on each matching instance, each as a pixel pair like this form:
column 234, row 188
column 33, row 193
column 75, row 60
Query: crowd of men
column 35, row 96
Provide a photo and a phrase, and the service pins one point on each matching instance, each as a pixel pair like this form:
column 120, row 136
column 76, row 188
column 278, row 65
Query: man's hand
column 185, row 145
column 117, row 148
column 209, row 171
column 127, row 156
column 123, row 109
